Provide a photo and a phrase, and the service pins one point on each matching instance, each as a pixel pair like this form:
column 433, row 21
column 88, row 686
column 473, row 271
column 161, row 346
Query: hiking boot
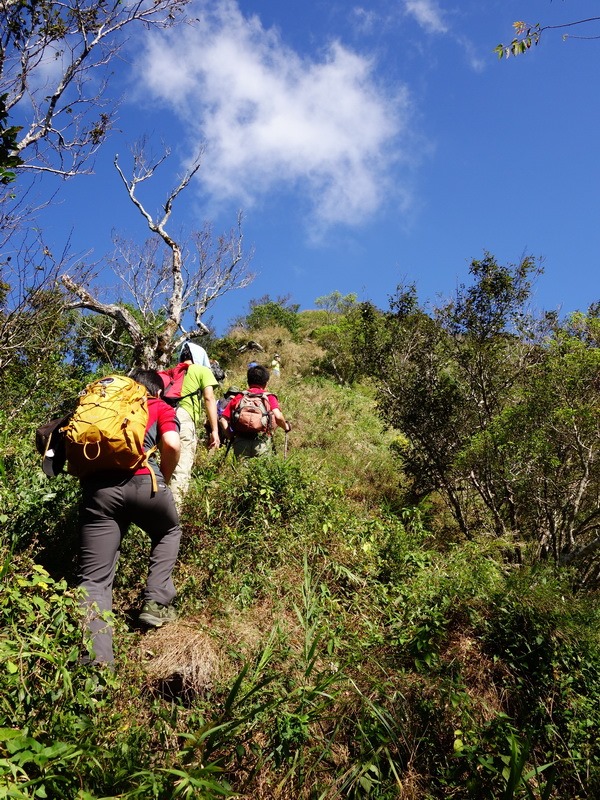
column 156, row 615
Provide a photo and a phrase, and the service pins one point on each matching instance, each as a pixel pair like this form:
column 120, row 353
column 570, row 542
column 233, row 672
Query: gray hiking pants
column 108, row 507
column 252, row 448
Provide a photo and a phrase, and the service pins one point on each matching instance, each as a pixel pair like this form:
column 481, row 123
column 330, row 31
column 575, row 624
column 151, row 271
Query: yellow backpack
column 107, row 429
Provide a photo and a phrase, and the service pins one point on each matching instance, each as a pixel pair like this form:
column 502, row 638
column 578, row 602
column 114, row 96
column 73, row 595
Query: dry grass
column 485, row 679
column 183, row 660
column 296, row 357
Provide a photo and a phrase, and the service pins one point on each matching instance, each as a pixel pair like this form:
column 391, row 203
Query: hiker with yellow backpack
column 111, row 443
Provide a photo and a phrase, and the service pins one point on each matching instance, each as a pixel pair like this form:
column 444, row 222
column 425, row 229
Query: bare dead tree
column 166, row 280
column 49, row 52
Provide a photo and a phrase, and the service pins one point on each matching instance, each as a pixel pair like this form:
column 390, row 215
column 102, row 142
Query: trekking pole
column 285, row 444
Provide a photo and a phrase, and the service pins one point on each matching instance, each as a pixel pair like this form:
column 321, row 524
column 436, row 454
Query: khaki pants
column 180, row 480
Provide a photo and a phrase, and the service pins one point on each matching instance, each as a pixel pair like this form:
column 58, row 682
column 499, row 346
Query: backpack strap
column 174, row 401
column 146, row 463
column 197, row 392
column 270, row 427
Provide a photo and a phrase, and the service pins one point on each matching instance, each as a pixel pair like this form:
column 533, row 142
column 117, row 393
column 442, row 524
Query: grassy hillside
column 334, row 641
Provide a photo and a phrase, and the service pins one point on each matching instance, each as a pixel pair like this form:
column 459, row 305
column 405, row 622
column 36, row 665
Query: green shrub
column 266, row 312
column 35, row 509
column 60, row 734
column 547, row 639
column 48, row 705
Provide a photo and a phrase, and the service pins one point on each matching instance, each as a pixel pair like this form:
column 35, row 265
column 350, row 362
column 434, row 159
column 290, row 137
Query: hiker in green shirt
column 199, row 382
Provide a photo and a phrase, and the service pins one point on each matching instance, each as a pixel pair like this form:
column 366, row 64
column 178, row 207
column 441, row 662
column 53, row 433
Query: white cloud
column 433, row 20
column 366, row 20
column 427, row 14
column 273, row 120
column 475, row 61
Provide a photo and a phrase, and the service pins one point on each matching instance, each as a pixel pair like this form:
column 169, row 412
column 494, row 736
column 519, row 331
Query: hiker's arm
column 169, row 447
column 210, row 404
column 281, row 421
column 224, row 426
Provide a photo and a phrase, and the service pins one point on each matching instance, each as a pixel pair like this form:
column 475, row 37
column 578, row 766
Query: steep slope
column 334, row 641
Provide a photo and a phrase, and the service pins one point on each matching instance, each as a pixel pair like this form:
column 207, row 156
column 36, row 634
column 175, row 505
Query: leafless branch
column 31, row 303
column 48, row 54
column 114, row 310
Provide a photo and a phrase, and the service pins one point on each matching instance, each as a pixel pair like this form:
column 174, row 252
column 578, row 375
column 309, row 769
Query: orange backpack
column 252, row 415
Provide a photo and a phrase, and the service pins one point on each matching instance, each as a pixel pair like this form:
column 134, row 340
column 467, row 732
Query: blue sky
column 366, row 145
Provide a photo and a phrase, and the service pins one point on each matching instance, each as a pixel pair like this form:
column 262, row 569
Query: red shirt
column 161, row 418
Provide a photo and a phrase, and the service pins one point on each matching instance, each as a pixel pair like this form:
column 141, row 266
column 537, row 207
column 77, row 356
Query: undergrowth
column 332, row 644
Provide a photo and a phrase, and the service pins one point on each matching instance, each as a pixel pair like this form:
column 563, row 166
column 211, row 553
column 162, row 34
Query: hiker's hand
column 213, row 441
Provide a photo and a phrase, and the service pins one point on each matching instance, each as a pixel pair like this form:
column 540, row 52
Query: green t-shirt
column 196, row 379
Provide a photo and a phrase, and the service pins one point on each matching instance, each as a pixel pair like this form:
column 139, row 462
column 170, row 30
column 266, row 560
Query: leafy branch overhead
column 8, row 139
column 527, row 35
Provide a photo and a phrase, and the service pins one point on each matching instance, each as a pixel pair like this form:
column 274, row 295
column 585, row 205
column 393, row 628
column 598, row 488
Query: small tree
column 266, row 312
column 501, row 412
column 550, row 446
column 336, row 303
column 443, row 380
